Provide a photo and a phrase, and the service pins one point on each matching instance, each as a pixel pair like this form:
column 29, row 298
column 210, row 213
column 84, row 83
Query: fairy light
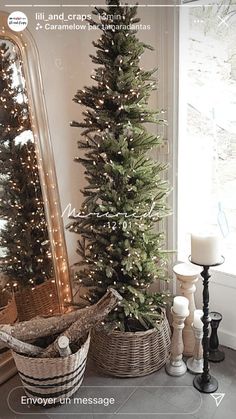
column 31, row 166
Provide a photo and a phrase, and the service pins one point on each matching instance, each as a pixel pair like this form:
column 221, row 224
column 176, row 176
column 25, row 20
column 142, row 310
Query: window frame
column 219, row 275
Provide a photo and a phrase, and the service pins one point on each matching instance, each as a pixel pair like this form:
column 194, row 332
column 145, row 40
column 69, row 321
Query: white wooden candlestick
column 176, row 366
column 188, row 276
column 195, row 364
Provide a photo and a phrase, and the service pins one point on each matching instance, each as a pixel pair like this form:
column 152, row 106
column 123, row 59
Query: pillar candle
column 205, row 249
column 197, row 322
column 180, row 306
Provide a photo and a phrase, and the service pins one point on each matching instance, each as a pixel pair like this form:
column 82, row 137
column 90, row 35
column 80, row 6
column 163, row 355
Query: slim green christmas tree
column 25, row 248
column 126, row 193
column 14, row 115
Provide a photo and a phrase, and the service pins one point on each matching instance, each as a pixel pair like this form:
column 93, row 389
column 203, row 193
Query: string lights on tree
column 121, row 251
column 24, row 237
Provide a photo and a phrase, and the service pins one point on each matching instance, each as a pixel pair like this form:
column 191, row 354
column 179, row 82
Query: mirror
column 34, row 274
column 26, row 258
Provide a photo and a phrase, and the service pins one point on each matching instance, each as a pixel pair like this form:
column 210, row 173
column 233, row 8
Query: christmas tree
column 126, row 194
column 25, row 248
column 14, row 115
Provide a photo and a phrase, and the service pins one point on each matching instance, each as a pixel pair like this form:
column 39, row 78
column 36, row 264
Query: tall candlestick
column 197, row 319
column 188, row 275
column 205, row 382
column 195, row 364
column 176, row 366
column 205, row 249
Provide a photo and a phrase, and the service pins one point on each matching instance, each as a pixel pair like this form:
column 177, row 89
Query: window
column 207, row 125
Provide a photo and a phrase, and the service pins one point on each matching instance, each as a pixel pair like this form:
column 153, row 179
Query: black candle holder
column 206, row 383
column 215, row 355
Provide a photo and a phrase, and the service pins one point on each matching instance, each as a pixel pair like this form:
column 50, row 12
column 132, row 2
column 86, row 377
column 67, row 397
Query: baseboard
column 227, row 338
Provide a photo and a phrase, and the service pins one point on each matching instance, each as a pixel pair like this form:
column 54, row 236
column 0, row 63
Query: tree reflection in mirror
column 25, row 252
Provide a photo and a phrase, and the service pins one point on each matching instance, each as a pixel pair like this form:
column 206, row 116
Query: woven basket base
column 8, row 314
column 43, row 300
column 55, row 378
column 129, row 354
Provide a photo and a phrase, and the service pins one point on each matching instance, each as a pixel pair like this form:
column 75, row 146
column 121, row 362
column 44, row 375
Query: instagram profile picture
column 17, row 21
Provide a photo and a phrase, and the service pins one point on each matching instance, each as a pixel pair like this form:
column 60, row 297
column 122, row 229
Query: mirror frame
column 40, row 128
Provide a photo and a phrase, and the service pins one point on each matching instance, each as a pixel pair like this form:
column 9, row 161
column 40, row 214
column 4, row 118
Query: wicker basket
column 131, row 354
column 55, row 378
column 8, row 310
column 42, row 300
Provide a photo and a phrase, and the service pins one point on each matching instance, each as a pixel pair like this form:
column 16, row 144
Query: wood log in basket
column 63, row 344
column 72, row 325
column 19, row 346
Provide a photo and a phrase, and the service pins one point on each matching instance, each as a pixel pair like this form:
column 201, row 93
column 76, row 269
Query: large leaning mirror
column 34, row 274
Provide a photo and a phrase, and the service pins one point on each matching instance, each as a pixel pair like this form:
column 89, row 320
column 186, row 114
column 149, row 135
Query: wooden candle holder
column 206, row 383
column 215, row 355
column 176, row 366
column 188, row 276
column 195, row 364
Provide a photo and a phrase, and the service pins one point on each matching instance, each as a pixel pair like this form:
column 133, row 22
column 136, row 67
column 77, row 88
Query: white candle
column 205, row 249
column 197, row 322
column 180, row 306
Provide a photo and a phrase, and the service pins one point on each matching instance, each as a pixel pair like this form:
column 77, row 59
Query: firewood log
column 43, row 326
column 86, row 321
column 19, row 346
column 63, row 346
